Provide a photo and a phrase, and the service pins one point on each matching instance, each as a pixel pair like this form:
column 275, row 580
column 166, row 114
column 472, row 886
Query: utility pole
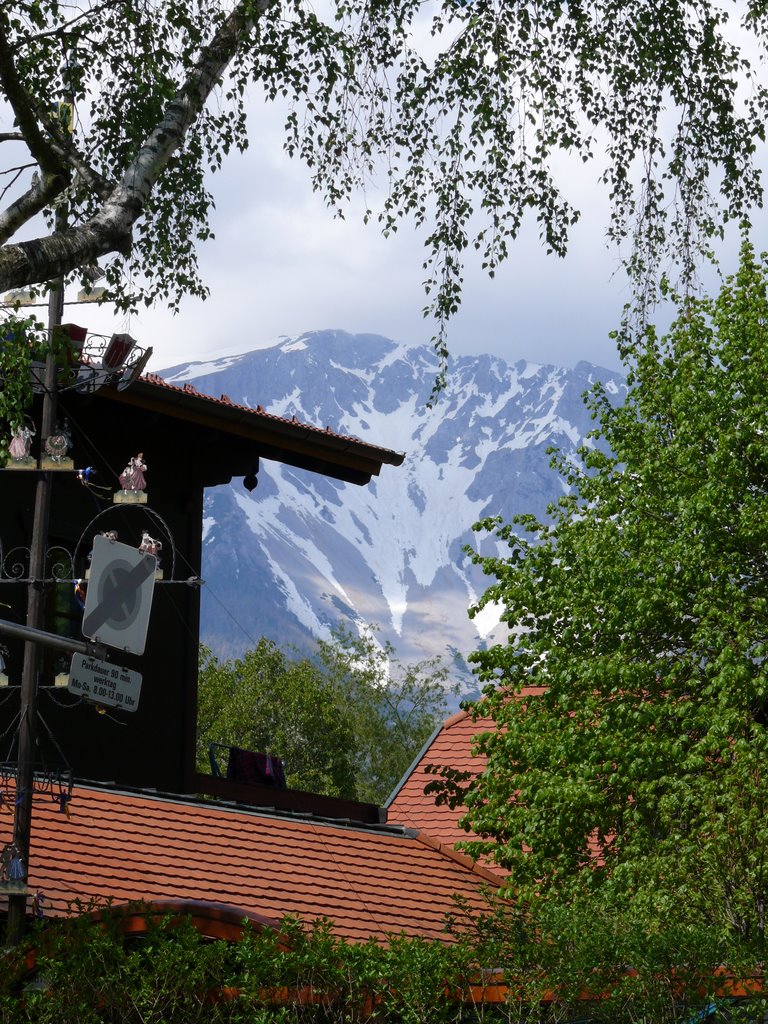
column 27, row 745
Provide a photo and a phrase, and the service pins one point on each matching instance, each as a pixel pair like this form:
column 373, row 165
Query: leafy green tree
column 637, row 777
column 92, row 973
column 120, row 110
column 348, row 723
column 394, row 706
column 269, row 703
column 89, row 973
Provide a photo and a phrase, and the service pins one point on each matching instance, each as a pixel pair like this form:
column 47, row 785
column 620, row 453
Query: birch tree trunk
column 110, row 230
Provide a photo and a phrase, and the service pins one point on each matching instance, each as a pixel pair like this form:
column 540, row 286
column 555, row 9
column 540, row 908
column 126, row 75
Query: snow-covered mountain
column 302, row 552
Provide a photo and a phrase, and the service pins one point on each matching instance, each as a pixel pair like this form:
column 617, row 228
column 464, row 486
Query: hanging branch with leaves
column 464, row 115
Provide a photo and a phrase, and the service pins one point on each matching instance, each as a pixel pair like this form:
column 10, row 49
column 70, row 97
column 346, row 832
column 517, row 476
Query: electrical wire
column 10, row 692
column 69, row 705
column 353, row 888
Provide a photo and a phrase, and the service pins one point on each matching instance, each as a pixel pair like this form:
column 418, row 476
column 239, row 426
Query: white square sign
column 119, row 597
column 104, row 683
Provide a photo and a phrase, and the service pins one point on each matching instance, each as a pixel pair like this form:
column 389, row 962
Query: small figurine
column 21, row 442
column 61, row 671
column 56, row 447
column 132, row 481
column 38, row 905
column 12, row 870
column 3, row 656
column 149, row 545
column 16, row 870
column 132, row 477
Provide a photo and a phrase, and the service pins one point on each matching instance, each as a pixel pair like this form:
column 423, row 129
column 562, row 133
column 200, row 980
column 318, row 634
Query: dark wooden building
column 189, row 441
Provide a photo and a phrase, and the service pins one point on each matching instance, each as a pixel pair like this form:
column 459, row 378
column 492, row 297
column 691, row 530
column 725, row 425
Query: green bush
column 91, row 973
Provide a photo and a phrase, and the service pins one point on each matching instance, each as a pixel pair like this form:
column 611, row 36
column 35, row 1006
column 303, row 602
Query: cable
column 240, row 626
column 96, row 453
column 353, row 888
column 188, row 565
column 67, row 705
column 7, row 696
column 101, row 710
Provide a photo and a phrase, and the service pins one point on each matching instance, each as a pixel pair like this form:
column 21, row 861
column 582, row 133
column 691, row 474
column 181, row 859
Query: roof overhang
column 272, row 437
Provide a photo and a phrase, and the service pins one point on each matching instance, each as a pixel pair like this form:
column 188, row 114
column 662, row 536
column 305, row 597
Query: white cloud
column 281, row 265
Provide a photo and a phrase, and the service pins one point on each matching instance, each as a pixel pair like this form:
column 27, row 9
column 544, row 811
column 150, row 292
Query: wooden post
column 22, row 823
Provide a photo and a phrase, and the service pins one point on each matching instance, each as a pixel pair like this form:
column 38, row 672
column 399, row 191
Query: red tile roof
column 450, row 746
column 370, row 880
column 349, row 440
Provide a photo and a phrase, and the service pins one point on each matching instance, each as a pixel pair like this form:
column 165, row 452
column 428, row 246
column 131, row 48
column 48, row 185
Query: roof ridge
column 414, row 765
column 456, row 717
column 190, row 391
column 455, row 855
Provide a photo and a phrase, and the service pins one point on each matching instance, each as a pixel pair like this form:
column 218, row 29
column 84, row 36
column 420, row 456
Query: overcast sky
column 281, row 265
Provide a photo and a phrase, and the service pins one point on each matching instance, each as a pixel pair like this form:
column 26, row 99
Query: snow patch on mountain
column 391, row 553
column 487, row 619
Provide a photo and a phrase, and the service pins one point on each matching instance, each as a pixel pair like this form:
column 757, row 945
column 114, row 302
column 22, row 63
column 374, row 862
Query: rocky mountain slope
column 300, row 553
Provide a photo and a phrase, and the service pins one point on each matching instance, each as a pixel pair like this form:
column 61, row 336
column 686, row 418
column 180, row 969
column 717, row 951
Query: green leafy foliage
column 394, row 706
column 462, row 113
column 610, row 965
column 23, row 341
column 347, row 723
column 497, row 970
column 89, row 974
column 637, row 777
column 270, row 703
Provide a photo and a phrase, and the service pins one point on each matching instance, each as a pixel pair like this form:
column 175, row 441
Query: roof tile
column 189, row 390
column 126, row 846
column 451, row 747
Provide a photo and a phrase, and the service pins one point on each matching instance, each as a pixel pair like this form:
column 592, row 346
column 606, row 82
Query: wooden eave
column 272, row 437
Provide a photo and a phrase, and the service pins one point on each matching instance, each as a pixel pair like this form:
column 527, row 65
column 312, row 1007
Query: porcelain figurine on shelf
column 61, row 671
column 56, row 447
column 12, row 870
column 133, row 482
column 150, row 546
column 21, row 442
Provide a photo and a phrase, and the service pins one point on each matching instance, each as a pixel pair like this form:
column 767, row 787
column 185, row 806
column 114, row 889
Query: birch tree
column 463, row 111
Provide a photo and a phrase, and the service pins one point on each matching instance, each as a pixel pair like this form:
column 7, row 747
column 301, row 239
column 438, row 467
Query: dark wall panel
column 154, row 746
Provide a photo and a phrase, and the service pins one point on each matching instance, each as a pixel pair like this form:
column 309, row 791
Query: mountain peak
column 315, row 551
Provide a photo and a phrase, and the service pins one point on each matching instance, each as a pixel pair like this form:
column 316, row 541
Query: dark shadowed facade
column 189, row 442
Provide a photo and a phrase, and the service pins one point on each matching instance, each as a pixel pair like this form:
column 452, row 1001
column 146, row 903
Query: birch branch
column 43, row 190
column 110, row 230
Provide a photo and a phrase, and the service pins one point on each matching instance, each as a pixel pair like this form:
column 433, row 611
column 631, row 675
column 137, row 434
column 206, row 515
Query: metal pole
column 61, row 643
column 22, row 823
